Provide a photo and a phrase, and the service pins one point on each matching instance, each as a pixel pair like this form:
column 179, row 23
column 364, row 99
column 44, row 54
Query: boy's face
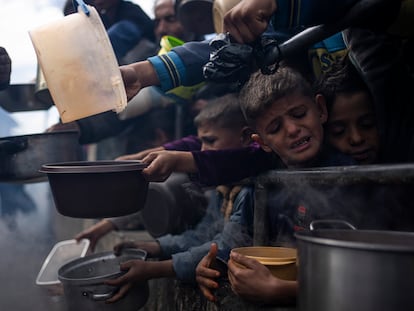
column 214, row 138
column 292, row 128
column 351, row 127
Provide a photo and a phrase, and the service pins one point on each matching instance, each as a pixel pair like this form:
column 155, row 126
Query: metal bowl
column 84, row 284
column 97, row 189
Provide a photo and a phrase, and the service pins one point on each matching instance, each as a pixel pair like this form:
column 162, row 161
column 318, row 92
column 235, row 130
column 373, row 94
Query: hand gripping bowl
column 281, row 261
column 84, row 287
column 97, row 189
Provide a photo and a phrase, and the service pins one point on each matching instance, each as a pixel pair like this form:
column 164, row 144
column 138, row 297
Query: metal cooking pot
column 84, row 287
column 355, row 270
column 21, row 157
column 170, row 208
column 22, row 97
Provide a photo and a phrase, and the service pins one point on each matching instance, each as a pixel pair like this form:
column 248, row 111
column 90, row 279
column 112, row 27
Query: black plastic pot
column 97, row 189
column 21, row 157
column 84, row 288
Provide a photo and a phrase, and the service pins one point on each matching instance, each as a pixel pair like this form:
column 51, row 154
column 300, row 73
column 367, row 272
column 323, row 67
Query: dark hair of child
column 261, row 91
column 343, row 78
column 223, row 112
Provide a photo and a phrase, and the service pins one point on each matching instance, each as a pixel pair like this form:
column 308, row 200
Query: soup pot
column 84, row 288
column 21, row 157
column 363, row 270
column 22, row 97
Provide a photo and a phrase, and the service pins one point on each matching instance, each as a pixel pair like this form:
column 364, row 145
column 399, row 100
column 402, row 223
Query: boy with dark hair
column 352, row 124
column 288, row 121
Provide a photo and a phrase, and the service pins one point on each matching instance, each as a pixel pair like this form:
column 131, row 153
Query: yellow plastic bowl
column 281, row 261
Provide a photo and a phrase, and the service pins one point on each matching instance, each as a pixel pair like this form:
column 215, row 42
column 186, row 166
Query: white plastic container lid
column 62, row 253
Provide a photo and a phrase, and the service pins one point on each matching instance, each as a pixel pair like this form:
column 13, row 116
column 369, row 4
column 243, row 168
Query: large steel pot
column 363, row 270
column 84, row 287
column 21, row 157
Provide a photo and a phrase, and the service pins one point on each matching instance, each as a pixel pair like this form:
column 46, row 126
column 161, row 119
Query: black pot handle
column 13, row 145
column 314, row 224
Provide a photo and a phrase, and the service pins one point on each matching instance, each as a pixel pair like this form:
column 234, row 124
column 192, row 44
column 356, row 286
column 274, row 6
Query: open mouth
column 301, row 142
column 362, row 155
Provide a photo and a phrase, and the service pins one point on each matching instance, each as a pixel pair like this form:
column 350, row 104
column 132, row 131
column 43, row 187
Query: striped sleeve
column 170, row 70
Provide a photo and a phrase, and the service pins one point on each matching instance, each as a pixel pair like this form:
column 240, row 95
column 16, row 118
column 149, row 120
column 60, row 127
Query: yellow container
column 79, row 65
column 281, row 261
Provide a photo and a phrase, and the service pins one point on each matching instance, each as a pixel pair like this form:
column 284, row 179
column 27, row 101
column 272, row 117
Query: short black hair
column 261, row 91
column 223, row 112
column 342, row 78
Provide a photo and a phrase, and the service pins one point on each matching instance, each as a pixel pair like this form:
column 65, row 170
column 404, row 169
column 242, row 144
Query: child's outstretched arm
column 162, row 163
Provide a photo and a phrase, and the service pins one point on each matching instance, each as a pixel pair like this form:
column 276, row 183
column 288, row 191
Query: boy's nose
column 355, row 138
column 291, row 128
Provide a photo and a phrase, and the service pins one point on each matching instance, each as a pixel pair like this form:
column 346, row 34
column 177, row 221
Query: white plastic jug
column 79, row 65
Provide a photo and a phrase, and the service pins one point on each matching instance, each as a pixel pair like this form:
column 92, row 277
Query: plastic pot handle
column 83, row 6
column 314, row 224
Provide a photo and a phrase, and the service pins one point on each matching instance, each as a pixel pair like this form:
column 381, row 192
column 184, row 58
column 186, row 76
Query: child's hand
column 162, row 163
column 253, row 281
column 205, row 276
column 95, row 232
column 136, row 273
column 140, row 155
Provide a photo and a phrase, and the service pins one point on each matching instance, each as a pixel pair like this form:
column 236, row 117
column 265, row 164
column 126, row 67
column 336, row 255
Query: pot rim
column 100, row 166
column 71, row 132
column 80, row 262
column 360, row 241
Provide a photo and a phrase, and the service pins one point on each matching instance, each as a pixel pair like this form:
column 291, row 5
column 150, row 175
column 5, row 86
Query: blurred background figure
column 13, row 197
column 167, row 23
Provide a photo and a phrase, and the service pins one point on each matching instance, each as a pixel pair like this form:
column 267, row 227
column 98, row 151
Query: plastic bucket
column 79, row 65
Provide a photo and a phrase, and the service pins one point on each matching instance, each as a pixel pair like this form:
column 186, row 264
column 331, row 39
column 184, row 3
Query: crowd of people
column 319, row 108
column 345, row 99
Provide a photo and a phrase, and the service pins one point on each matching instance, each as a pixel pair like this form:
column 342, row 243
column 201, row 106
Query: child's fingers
column 121, row 293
